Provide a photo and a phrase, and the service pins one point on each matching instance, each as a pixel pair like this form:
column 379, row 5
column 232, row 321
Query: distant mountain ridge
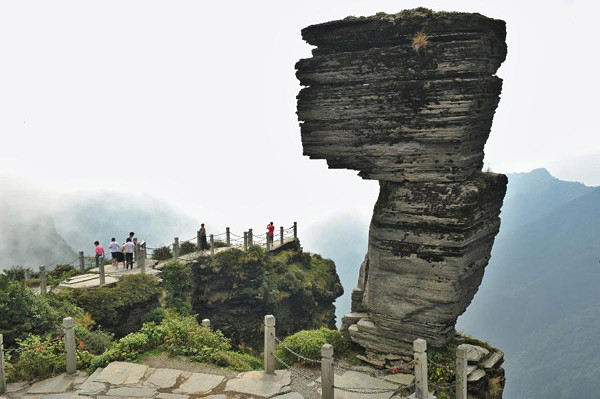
column 540, row 292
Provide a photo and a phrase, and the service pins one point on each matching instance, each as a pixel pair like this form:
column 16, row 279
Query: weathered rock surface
column 408, row 99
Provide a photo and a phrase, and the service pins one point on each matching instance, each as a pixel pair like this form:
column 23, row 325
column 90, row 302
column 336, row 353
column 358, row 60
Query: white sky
column 194, row 101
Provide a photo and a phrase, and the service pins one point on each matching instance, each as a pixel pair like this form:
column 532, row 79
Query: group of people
column 124, row 252
column 119, row 252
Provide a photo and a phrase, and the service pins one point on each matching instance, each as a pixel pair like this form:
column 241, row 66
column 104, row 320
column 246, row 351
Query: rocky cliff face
column 408, row 99
column 236, row 289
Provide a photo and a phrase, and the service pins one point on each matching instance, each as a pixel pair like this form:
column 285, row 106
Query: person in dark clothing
column 203, row 242
column 128, row 251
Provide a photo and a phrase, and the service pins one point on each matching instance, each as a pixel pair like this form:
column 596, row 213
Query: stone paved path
column 121, row 380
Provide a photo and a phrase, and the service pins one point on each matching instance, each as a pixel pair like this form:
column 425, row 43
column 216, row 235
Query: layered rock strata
column 408, row 99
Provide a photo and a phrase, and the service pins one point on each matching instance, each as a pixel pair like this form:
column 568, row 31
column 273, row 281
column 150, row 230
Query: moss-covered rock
column 119, row 308
column 236, row 289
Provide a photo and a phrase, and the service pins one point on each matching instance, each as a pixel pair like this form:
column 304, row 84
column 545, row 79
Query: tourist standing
column 128, row 251
column 113, row 247
column 203, row 242
column 99, row 253
column 271, row 232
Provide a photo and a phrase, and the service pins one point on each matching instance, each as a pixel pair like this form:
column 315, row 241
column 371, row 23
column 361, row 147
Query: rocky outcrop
column 408, row 99
column 236, row 289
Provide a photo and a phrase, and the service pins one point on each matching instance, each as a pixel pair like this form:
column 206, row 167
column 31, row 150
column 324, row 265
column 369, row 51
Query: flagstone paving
column 121, row 380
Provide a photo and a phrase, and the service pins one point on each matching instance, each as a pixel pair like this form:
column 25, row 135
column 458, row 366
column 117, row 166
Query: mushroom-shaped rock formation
column 408, row 99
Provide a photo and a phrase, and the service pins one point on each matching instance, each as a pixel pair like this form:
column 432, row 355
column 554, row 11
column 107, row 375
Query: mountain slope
column 541, row 292
column 531, row 196
column 30, row 240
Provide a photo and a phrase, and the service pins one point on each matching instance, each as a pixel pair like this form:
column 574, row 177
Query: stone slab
column 291, row 395
column 476, row 375
column 259, row 384
column 120, row 373
column 16, row 386
column 177, row 396
column 354, row 379
column 134, row 392
column 164, row 378
column 199, row 384
column 475, row 353
column 66, row 395
column 58, row 384
column 91, row 388
column 219, row 396
column 493, row 360
column 400, row 378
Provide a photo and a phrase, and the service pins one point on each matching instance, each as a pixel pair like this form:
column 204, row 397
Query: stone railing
column 70, row 351
column 328, row 388
column 227, row 238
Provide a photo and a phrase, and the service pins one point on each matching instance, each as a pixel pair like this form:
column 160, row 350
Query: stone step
column 495, row 359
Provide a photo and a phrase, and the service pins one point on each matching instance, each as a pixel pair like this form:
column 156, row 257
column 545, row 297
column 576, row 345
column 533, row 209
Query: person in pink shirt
column 99, row 252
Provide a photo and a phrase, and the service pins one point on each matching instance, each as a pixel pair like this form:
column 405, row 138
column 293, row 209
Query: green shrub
column 38, row 357
column 220, row 244
column 178, row 336
column 237, row 361
column 184, row 336
column 156, row 315
column 187, row 247
column 118, row 308
column 60, row 273
column 162, row 253
column 177, row 280
column 308, row 343
column 22, row 312
column 95, row 342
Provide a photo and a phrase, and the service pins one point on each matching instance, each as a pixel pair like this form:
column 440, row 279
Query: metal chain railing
column 32, row 347
column 299, row 356
column 359, row 390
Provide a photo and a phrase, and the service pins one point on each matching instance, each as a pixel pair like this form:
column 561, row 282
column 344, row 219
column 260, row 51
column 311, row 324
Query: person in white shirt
column 115, row 252
column 128, row 251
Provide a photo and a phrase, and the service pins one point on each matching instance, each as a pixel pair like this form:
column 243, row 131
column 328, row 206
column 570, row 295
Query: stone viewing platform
column 143, row 264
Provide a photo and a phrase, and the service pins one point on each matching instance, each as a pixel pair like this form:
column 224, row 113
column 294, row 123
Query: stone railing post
column 227, row 236
column 136, row 249
column 142, row 262
column 69, row 331
column 212, row 244
column 295, row 230
column 269, row 344
column 461, row 372
column 206, row 323
column 245, row 240
column 281, row 235
column 2, row 368
column 250, row 239
column 198, row 240
column 81, row 262
column 327, row 389
column 176, row 248
column 421, row 377
column 268, row 245
column 27, row 273
column 101, row 272
column 138, row 253
column 43, row 286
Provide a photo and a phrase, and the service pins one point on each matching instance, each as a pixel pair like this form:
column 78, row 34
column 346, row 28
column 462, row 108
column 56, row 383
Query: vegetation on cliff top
column 236, row 289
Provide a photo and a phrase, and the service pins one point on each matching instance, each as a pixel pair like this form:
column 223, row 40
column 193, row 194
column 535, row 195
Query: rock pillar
column 408, row 99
